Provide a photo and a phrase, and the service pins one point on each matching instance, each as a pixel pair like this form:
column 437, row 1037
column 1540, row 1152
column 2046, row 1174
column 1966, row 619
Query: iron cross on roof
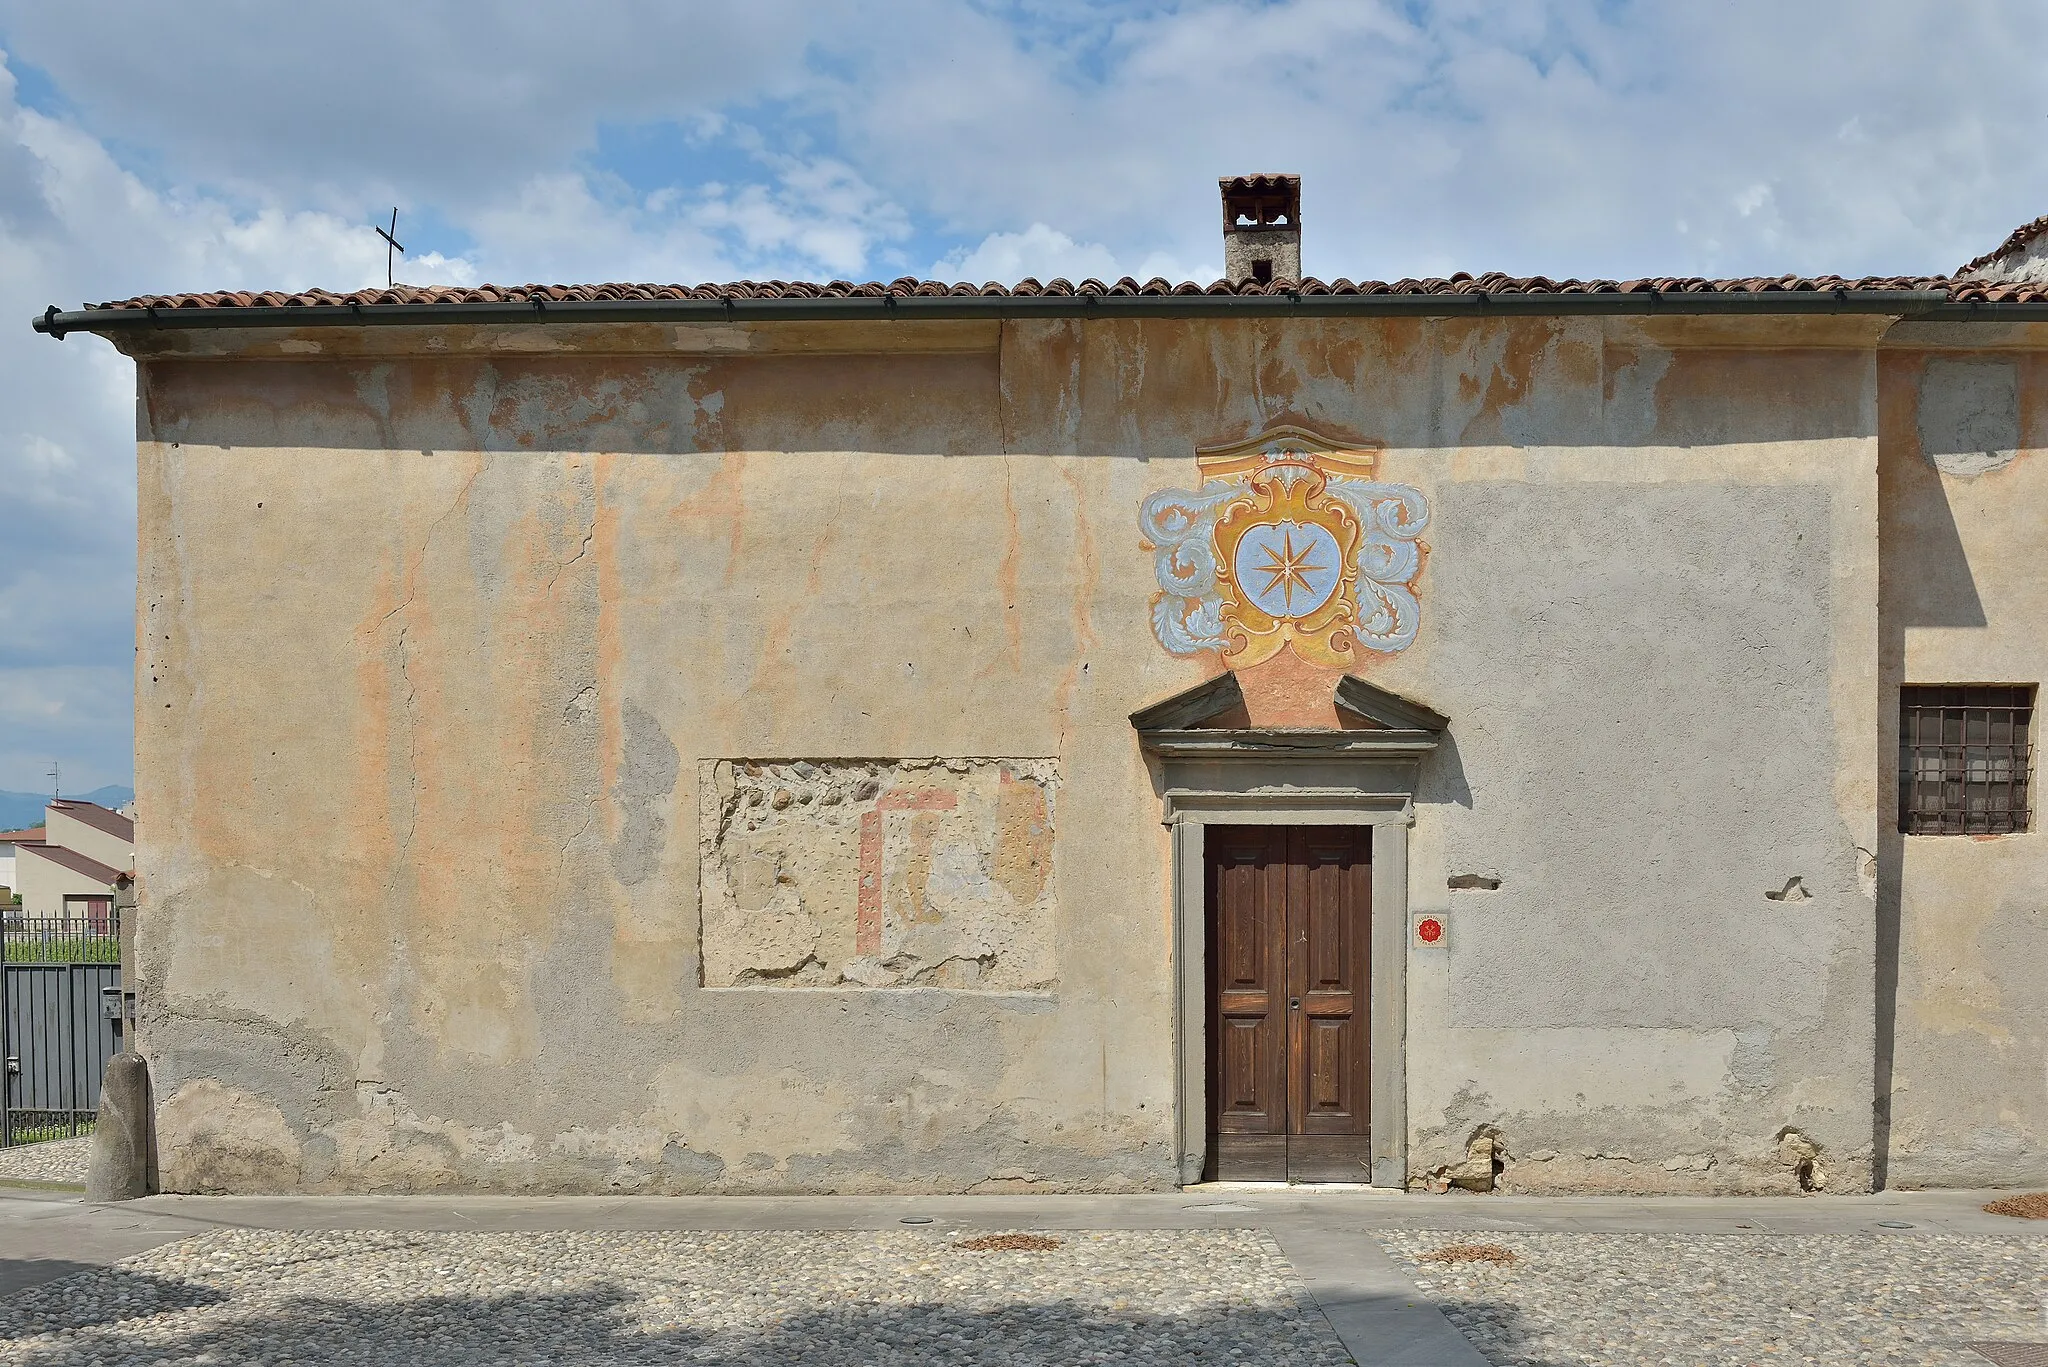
column 391, row 244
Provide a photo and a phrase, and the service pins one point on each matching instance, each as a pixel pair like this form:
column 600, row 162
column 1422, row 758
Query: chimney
column 1261, row 229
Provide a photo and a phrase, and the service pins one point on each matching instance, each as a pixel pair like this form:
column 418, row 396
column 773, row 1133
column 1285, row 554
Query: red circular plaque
column 1429, row 929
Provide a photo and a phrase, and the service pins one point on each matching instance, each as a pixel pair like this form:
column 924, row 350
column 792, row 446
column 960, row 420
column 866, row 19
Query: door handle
column 1294, row 1004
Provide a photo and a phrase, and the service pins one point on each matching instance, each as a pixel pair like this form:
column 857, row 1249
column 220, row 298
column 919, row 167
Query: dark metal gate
column 60, row 1021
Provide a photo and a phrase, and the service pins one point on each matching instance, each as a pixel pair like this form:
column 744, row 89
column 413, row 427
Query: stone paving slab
column 1196, row 1207
column 54, row 1160
column 840, row 1297
column 1830, row 1300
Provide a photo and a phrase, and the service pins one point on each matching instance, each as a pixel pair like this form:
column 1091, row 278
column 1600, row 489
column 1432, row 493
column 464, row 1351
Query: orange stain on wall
column 1286, row 690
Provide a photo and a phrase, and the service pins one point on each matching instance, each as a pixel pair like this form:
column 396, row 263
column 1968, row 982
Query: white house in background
column 92, row 830
column 8, row 840
column 72, row 872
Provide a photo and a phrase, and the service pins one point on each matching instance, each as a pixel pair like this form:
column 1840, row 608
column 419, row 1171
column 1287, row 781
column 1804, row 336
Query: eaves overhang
column 1932, row 305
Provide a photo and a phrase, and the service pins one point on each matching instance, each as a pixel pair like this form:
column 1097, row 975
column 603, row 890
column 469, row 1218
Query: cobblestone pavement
column 244, row 1296
column 55, row 1160
column 1711, row 1299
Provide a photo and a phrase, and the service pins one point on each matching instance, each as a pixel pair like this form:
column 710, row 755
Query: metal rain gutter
column 1919, row 304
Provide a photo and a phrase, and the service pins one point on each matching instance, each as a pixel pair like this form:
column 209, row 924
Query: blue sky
column 147, row 147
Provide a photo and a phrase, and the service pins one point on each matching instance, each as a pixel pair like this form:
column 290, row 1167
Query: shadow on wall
column 612, row 1323
column 1443, row 774
column 1924, row 580
column 1230, row 383
column 1925, row 577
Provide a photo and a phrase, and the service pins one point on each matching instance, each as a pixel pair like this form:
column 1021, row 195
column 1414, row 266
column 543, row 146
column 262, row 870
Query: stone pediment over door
column 1212, row 718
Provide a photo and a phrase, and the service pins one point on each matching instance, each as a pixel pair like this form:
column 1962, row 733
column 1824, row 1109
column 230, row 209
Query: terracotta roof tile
column 1494, row 283
column 1260, row 184
column 103, row 819
column 2020, row 238
column 70, row 859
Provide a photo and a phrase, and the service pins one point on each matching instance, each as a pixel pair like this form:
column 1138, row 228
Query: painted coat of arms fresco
column 1288, row 542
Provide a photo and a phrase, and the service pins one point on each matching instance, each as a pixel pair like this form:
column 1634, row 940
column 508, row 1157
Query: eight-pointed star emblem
column 1286, row 567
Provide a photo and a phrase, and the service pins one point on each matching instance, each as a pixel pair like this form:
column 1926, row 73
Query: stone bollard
column 124, row 1142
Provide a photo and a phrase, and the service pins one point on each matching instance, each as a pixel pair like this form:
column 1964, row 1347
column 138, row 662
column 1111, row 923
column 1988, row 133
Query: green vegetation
column 36, row 1129
column 37, row 948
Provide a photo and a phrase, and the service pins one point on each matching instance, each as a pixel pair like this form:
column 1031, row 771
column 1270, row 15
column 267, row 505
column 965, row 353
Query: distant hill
column 26, row 809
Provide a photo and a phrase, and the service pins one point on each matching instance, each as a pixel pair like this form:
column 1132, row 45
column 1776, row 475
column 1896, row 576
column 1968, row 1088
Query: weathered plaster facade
column 697, row 757
column 1965, row 919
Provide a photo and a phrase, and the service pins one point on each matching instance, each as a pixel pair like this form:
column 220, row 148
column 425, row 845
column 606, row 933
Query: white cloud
column 432, row 268
column 1045, row 253
column 1559, row 138
column 1038, row 251
column 374, row 102
column 40, row 695
column 813, row 219
column 64, row 714
column 818, row 211
column 1562, row 137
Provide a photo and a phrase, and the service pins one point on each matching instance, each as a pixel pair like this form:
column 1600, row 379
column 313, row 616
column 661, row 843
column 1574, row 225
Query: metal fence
column 61, row 1017
column 89, row 939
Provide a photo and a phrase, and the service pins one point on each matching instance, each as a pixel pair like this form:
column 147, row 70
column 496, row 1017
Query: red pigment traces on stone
column 867, row 921
column 917, row 800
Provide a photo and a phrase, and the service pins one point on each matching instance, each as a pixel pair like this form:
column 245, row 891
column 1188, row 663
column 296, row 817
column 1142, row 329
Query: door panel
column 1329, row 920
column 1289, row 934
column 1247, row 1003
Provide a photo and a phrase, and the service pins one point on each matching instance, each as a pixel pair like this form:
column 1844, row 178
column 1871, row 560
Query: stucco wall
column 62, row 828
column 1964, row 974
column 45, row 883
column 441, row 647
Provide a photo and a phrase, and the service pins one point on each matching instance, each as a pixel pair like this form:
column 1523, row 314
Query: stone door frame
column 1189, row 812
column 1216, row 776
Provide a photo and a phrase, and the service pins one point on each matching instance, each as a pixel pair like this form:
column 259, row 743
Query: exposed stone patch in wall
column 879, row 873
column 1484, row 1167
column 1969, row 415
column 1803, row 1157
column 1682, row 1149
column 212, row 1138
column 647, row 774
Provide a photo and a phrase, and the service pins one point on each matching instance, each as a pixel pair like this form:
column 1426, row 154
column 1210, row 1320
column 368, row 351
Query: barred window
column 1964, row 758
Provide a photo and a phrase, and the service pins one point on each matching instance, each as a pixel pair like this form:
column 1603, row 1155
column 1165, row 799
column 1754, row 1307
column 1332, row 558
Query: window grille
column 1964, row 758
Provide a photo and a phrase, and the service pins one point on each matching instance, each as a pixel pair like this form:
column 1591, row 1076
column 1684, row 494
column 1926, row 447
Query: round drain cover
column 916, row 1220
column 1893, row 1224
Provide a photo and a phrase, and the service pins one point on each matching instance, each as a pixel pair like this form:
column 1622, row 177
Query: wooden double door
column 1289, row 1034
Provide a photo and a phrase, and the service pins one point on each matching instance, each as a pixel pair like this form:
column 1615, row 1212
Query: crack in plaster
column 563, row 568
column 412, row 772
